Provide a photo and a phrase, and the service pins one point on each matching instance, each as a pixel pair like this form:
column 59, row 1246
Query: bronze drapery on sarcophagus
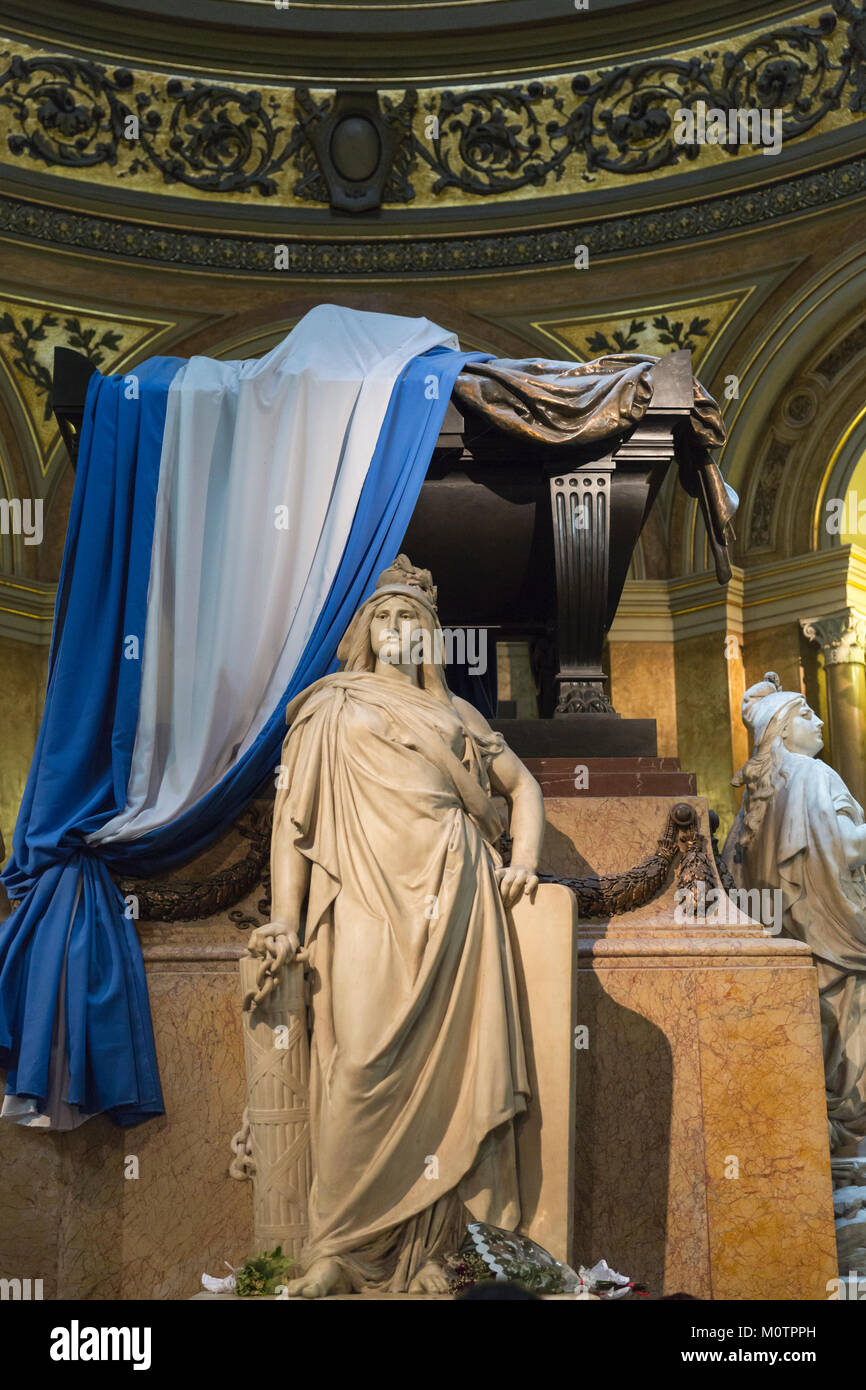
column 543, row 477
column 581, row 404
column 539, row 515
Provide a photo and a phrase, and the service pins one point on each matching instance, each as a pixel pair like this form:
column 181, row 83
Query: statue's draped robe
column 417, row 1063
column 798, row 850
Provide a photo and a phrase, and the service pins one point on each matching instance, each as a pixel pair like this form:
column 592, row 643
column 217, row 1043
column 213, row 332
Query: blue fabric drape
column 71, row 908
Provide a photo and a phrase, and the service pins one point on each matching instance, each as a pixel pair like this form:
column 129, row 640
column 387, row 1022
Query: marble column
column 842, row 640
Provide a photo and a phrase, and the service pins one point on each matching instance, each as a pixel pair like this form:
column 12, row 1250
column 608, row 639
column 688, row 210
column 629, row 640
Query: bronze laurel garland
column 599, row 895
column 190, row 900
column 608, row 895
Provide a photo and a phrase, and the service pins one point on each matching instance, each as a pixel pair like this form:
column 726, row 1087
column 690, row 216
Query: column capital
column 841, row 637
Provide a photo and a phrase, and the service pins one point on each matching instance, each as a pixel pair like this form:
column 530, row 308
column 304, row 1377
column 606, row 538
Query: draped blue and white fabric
column 227, row 520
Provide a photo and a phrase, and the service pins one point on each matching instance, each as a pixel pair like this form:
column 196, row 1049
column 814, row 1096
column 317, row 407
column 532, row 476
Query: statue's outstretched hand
column 277, row 944
column 514, row 881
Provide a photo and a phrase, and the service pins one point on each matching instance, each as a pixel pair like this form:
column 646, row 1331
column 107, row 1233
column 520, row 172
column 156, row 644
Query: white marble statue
column 800, row 834
column 383, row 844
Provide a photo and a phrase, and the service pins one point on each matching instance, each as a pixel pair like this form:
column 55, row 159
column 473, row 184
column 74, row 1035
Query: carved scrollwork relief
column 71, row 113
column 76, row 114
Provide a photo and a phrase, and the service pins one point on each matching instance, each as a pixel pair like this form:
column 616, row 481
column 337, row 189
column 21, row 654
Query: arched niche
column 798, row 426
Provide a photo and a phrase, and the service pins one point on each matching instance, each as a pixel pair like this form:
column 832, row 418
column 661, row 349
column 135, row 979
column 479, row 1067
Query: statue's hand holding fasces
column 514, row 881
column 277, row 944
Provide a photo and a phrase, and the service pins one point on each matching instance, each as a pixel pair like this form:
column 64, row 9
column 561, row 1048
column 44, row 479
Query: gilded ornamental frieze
column 386, row 258
column 159, row 133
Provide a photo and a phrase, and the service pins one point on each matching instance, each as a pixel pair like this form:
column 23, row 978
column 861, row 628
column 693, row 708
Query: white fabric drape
column 233, row 599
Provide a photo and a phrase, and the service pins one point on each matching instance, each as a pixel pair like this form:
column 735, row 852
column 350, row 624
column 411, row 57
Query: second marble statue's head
column 780, row 722
column 398, row 625
column 771, row 713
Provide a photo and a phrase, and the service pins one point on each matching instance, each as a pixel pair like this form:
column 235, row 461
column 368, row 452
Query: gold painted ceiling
column 184, row 142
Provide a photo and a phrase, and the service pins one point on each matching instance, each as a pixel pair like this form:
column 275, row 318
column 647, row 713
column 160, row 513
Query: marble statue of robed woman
column 801, row 834
column 383, row 846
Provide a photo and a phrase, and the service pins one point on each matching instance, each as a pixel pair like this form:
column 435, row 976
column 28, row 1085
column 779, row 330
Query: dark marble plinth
column 580, row 736
column 612, row 776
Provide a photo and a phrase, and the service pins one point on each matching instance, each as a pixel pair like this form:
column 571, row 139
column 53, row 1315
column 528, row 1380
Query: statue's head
column 396, row 627
column 779, row 721
column 802, row 733
column 771, row 713
column 396, row 624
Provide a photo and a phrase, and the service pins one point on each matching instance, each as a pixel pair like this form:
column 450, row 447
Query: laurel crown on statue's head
column 403, row 576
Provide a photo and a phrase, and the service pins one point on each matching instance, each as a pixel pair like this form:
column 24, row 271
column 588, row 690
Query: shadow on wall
column 624, row 1103
column 624, row 1090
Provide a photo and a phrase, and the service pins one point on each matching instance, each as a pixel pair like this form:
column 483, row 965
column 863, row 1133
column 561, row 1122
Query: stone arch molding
column 799, row 426
column 843, row 459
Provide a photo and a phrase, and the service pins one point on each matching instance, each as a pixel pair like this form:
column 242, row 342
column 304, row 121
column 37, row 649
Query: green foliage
column 624, row 340
column 676, row 334
column 85, row 340
column 259, row 1275
column 668, row 333
column 25, row 359
column 30, row 332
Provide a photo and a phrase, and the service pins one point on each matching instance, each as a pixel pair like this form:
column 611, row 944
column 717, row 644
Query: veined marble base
column 702, row 1154
column 105, row 1213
